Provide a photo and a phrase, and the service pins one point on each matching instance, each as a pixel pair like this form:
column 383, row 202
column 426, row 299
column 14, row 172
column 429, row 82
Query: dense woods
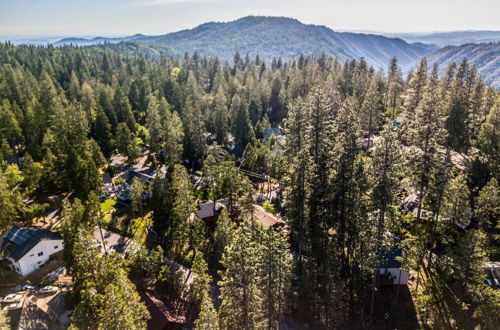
column 370, row 161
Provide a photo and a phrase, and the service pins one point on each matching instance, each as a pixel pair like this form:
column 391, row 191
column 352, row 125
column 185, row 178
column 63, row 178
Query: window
column 31, row 255
column 38, row 262
column 56, row 247
column 40, row 254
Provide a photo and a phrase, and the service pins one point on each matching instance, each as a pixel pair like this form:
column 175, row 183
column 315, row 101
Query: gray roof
column 20, row 240
column 206, row 210
column 390, row 258
column 276, row 131
column 130, row 175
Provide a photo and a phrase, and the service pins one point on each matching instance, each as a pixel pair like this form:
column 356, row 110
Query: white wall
column 32, row 261
column 400, row 276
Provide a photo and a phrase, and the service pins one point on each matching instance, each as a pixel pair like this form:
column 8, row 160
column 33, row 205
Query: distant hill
column 96, row 40
column 272, row 37
column 454, row 38
column 486, row 56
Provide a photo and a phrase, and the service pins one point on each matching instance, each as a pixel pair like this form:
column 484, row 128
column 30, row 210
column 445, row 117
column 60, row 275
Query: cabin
column 266, row 219
column 209, row 212
column 390, row 272
column 29, row 248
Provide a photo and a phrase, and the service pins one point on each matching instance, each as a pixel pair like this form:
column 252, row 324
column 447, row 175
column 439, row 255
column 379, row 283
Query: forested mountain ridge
column 366, row 154
column 454, row 38
column 485, row 56
column 274, row 37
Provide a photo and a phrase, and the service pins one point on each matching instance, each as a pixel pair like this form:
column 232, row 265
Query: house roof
column 276, row 131
column 265, row 218
column 206, row 210
column 236, row 151
column 57, row 304
column 20, row 240
column 130, row 175
column 389, row 258
column 114, row 241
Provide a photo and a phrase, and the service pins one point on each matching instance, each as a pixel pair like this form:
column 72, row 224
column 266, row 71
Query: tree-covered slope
column 453, row 38
column 271, row 37
column 485, row 56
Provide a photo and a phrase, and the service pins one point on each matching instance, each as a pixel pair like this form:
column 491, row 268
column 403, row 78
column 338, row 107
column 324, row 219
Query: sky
column 54, row 18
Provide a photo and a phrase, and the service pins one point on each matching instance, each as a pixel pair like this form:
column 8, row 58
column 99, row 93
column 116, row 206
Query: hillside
column 485, row 56
column 272, row 37
column 454, row 38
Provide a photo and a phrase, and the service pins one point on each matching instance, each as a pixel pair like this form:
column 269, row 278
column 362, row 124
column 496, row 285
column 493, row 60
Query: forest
column 367, row 162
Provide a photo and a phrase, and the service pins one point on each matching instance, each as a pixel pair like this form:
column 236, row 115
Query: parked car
column 48, row 289
column 12, row 306
column 12, row 298
column 28, row 287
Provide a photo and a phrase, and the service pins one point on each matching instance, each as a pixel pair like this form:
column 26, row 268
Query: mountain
column 486, row 57
column 272, row 37
column 454, row 38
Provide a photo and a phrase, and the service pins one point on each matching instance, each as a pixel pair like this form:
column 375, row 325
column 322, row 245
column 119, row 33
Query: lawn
column 108, row 205
column 138, row 226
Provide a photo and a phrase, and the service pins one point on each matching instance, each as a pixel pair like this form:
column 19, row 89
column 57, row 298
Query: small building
column 266, row 219
column 29, row 248
column 56, row 307
column 276, row 131
column 208, row 211
column 390, row 272
column 109, row 241
column 236, row 151
column 493, row 274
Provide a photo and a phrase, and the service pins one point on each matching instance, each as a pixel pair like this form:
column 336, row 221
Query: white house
column 29, row 248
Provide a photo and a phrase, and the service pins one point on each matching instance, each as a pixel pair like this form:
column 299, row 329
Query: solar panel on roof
column 17, row 235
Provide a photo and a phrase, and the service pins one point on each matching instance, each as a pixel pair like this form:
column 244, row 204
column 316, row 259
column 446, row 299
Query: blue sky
column 41, row 18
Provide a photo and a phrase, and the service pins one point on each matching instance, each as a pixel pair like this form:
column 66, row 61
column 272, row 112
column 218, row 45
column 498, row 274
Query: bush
column 269, row 207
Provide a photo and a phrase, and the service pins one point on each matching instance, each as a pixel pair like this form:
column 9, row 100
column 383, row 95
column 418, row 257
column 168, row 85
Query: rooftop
column 206, row 210
column 265, row 218
column 20, row 240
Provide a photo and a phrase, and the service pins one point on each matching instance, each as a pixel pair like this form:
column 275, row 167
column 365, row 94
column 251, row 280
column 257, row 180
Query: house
column 144, row 176
column 29, row 248
column 236, row 151
column 109, row 241
column 390, row 272
column 208, row 211
column 56, row 307
column 276, row 131
column 493, row 274
column 427, row 215
column 266, row 219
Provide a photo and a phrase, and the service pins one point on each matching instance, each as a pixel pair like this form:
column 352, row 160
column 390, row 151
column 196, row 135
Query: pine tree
column 172, row 135
column 415, row 89
column 194, row 135
column 372, row 108
column 207, row 318
column 153, row 123
column 243, row 130
column 221, row 118
column 275, row 274
column 385, row 171
column 489, row 140
column 241, row 295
